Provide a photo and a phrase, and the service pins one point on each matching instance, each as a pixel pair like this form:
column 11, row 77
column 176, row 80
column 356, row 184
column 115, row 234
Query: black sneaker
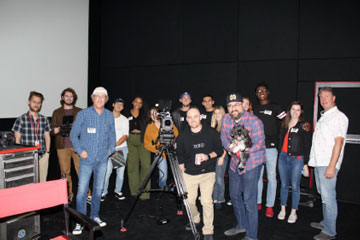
column 103, row 197
column 119, row 195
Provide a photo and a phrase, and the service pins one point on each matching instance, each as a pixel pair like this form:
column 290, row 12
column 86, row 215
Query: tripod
column 179, row 182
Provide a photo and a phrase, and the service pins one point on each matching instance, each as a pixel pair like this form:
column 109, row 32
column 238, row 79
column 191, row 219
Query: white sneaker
column 281, row 215
column 88, row 199
column 78, row 229
column 292, row 218
column 98, row 221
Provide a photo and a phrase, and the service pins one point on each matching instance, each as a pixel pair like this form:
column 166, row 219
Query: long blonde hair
column 215, row 124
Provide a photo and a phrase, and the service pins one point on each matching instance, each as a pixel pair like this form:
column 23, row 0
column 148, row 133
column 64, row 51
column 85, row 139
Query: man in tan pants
column 33, row 129
column 61, row 120
column 198, row 148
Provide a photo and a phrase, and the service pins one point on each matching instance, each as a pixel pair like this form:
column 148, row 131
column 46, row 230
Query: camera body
column 6, row 138
column 66, row 126
column 166, row 133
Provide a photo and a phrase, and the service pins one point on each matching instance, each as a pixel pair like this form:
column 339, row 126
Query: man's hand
column 330, row 172
column 56, row 130
column 306, row 171
column 202, row 157
column 182, row 167
column 84, row 154
column 220, row 161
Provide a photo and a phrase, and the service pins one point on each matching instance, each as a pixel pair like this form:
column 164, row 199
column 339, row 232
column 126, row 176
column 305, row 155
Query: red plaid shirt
column 256, row 132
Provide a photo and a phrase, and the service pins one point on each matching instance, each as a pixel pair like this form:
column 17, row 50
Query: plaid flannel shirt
column 256, row 132
column 28, row 137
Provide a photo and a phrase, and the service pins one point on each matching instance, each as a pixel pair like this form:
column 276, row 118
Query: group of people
column 204, row 145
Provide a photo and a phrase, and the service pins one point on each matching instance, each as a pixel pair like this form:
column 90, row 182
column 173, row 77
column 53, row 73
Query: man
column 243, row 183
column 270, row 114
column 93, row 138
column 179, row 115
column 208, row 103
column 33, row 129
column 62, row 120
column 122, row 133
column 197, row 149
column 326, row 156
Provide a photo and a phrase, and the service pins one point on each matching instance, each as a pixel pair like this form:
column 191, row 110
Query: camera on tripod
column 66, row 126
column 166, row 133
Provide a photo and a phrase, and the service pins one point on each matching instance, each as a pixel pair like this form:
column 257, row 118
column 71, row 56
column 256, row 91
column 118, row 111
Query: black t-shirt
column 183, row 122
column 206, row 117
column 271, row 115
column 189, row 144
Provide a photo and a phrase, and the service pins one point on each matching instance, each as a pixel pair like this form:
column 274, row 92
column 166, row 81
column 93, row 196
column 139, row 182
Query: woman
column 138, row 119
column 247, row 105
column 295, row 144
column 151, row 135
column 219, row 187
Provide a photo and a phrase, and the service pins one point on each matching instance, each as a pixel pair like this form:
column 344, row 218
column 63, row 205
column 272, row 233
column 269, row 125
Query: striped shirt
column 256, row 132
column 32, row 131
column 94, row 134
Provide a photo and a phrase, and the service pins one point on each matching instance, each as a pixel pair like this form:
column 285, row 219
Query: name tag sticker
column 295, row 130
column 130, row 118
column 91, row 130
column 268, row 112
column 182, row 119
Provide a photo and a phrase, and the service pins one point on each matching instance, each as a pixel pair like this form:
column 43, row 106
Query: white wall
column 43, row 47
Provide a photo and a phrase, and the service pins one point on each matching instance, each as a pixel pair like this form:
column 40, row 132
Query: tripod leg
column 142, row 188
column 181, row 189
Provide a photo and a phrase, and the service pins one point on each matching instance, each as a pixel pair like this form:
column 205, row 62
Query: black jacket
column 299, row 141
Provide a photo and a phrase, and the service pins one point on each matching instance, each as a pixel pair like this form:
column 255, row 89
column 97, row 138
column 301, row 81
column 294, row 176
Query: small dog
column 240, row 141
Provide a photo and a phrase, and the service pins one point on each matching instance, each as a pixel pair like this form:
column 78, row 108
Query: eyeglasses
column 234, row 105
column 261, row 91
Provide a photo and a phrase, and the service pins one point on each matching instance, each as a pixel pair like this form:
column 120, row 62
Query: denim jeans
column 219, row 187
column 163, row 172
column 243, row 191
column 290, row 168
column 327, row 189
column 119, row 173
column 86, row 169
column 270, row 163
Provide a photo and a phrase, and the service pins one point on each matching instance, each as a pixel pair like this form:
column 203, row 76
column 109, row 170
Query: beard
column 34, row 110
column 237, row 117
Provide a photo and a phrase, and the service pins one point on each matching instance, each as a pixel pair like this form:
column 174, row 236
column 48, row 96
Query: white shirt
column 332, row 124
column 121, row 129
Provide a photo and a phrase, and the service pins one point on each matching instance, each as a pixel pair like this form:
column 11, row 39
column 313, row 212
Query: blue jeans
column 270, row 163
column 163, row 172
column 290, row 168
column 243, row 191
column 327, row 189
column 219, row 187
column 119, row 173
column 86, row 169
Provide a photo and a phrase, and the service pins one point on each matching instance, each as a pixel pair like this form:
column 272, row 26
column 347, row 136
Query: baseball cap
column 99, row 90
column 233, row 97
column 185, row 93
column 119, row 100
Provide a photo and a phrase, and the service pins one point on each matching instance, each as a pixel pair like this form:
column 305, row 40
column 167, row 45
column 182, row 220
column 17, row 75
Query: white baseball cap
column 99, row 90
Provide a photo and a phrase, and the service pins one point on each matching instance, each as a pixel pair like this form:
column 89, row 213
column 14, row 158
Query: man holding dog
column 243, row 183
